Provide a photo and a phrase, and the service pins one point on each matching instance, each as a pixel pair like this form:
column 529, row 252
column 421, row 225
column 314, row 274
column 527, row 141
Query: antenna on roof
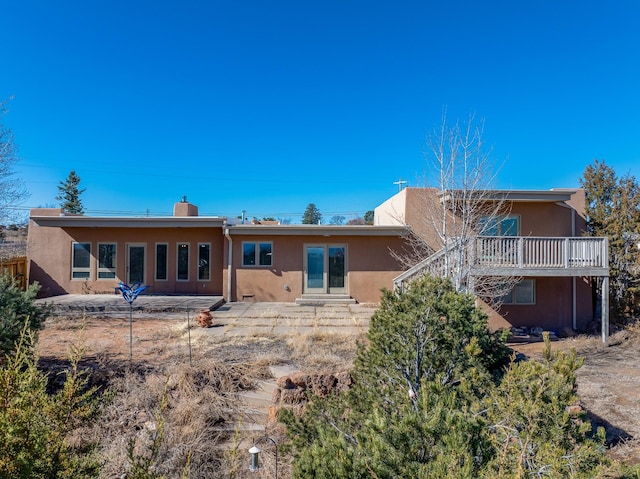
column 400, row 182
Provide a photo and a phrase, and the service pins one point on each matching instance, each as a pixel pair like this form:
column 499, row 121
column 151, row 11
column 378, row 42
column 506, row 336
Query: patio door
column 325, row 269
column 135, row 263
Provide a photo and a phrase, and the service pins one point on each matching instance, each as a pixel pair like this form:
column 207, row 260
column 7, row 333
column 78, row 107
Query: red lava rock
column 285, row 382
column 293, row 396
column 301, row 380
column 323, row 384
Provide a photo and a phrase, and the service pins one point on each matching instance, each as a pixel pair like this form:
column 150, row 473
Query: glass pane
column 183, row 261
column 204, row 258
column 81, row 255
column 509, row 226
column 336, row 267
column 161, row 261
column 136, row 264
column 488, row 227
column 106, row 256
column 315, row 267
column 80, row 275
column 265, row 254
column 523, row 292
column 248, row 254
column 106, row 261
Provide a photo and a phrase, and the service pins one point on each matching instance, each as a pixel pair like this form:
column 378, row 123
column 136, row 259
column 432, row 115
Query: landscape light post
column 130, row 293
column 255, row 451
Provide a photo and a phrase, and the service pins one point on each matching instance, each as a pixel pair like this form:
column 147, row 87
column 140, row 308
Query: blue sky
column 269, row 106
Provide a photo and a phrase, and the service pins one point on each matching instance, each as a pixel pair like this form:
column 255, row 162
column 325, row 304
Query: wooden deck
column 539, row 256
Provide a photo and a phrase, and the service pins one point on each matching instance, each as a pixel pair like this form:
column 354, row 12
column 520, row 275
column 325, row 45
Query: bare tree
column 458, row 205
column 12, row 190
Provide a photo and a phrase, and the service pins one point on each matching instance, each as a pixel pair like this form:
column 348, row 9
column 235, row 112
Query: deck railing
column 516, row 255
column 539, row 252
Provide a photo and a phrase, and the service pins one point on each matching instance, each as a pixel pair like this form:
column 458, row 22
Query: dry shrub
column 323, row 349
column 200, row 401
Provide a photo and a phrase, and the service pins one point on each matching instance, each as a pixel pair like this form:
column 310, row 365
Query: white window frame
column 104, row 270
column 511, row 297
column 256, row 259
column 166, row 262
column 80, row 269
column 178, row 245
column 200, row 278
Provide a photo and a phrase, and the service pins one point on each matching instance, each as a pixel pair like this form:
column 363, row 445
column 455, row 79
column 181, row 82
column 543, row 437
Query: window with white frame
column 162, row 258
column 257, row 254
column 106, row 260
column 81, row 261
column 524, row 292
column 183, row 262
column 500, row 226
column 204, row 261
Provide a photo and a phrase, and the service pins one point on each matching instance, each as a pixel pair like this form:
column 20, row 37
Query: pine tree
column 613, row 210
column 431, row 398
column 35, row 426
column 69, row 195
column 17, row 308
column 312, row 215
column 368, row 217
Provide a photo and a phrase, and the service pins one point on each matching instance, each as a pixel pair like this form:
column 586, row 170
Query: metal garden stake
column 130, row 293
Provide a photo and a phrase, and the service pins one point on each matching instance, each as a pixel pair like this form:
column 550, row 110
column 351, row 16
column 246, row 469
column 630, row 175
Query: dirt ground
column 608, row 381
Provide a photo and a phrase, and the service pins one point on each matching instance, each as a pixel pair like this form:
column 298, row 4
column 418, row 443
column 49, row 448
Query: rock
column 301, row 380
column 285, row 383
column 574, row 410
column 323, row 384
column 293, row 396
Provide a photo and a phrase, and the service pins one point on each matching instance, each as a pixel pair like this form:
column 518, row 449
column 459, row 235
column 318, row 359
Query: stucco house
column 539, row 240
column 536, row 237
column 191, row 254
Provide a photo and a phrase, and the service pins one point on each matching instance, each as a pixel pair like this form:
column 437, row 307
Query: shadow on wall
column 48, row 286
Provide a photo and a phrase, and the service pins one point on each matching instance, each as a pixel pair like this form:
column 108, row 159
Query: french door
column 325, row 269
column 135, row 263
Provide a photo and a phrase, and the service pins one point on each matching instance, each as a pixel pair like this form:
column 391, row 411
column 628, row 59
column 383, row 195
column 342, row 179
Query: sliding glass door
column 325, row 269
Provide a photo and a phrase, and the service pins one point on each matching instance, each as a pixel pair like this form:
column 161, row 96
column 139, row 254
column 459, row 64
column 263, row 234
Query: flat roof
column 552, row 195
column 73, row 221
column 318, row 230
column 129, row 222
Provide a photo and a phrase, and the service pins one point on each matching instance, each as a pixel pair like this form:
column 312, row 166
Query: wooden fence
column 16, row 268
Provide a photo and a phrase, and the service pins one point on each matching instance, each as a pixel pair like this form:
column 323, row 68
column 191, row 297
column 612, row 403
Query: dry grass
column 324, row 350
column 201, row 401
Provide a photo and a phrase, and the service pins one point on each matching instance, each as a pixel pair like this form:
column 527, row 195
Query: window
column 183, row 261
column 257, row 254
column 523, row 292
column 106, row 260
column 500, row 226
column 81, row 261
column 204, row 261
column 161, row 261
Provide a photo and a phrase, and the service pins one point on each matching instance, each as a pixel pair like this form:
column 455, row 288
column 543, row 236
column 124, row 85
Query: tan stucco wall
column 49, row 252
column 553, row 309
column 371, row 267
column 554, row 297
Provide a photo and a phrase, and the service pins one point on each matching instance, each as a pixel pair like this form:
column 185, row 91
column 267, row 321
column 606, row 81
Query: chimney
column 184, row 208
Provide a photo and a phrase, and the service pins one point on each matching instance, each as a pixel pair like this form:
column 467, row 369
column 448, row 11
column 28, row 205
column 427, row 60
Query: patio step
column 322, row 299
